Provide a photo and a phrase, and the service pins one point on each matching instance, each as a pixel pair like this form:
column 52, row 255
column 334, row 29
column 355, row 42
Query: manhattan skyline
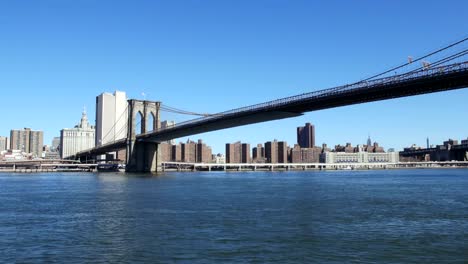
column 60, row 57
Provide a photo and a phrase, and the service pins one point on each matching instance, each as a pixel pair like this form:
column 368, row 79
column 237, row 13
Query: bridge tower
column 142, row 156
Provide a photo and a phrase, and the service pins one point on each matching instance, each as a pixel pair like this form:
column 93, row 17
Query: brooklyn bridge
column 142, row 149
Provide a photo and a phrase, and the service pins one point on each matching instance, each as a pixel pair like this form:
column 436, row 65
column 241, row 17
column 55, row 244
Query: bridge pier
column 143, row 157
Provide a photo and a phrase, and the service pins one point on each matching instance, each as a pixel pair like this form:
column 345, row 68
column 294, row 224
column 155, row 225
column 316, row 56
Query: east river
column 387, row 216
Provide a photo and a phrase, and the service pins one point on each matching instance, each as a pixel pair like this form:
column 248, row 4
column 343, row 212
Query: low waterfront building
column 449, row 150
column 305, row 155
column 52, row 155
column 81, row 137
column 359, row 157
column 219, row 158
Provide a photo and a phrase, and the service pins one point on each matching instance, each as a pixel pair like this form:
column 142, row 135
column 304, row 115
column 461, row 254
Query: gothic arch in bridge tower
column 139, row 126
column 151, row 122
column 150, row 115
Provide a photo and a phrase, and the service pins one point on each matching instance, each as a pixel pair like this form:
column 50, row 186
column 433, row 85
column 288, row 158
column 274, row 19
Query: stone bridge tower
column 143, row 156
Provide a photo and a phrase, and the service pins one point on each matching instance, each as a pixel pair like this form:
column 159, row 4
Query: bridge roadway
column 448, row 77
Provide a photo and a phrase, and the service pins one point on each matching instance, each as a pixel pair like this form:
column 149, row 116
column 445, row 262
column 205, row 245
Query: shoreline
column 35, row 171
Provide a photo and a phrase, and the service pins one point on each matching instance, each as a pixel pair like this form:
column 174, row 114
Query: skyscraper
column 189, row 151
column 81, row 137
column 55, row 144
column 203, row 152
column 258, row 153
column 233, row 152
column 3, row 143
column 276, row 151
column 111, row 117
column 271, row 151
column 306, row 136
column 245, row 153
column 27, row 140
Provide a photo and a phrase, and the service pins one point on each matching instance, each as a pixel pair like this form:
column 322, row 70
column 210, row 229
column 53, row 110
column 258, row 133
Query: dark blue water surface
column 391, row 216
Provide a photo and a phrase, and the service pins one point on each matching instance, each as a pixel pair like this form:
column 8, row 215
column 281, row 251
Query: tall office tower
column 27, row 140
column 271, row 151
column 306, row 136
column 3, row 143
column 81, row 137
column 258, row 153
column 189, row 151
column 166, row 151
column 233, row 152
column 176, row 153
column 276, row 151
column 245, row 153
column 204, row 153
column 427, row 142
column 19, row 139
column 111, row 117
column 56, row 144
column 369, row 141
column 282, row 152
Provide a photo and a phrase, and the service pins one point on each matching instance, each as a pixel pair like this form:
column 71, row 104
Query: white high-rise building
column 111, row 117
column 81, row 137
column 167, row 124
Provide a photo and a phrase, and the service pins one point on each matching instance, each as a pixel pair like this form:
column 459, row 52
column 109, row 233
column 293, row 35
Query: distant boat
column 107, row 167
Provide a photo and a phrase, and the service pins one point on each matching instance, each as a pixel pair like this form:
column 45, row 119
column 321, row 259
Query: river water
column 388, row 216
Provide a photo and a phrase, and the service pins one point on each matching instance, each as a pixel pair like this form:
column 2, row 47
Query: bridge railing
column 441, row 70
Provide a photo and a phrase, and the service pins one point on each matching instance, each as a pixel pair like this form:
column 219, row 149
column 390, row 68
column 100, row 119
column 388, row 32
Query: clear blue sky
column 210, row 56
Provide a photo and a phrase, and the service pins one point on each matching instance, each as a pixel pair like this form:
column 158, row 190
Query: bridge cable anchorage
column 414, row 60
column 183, row 112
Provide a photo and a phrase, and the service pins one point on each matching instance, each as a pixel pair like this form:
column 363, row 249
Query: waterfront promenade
column 185, row 166
column 29, row 166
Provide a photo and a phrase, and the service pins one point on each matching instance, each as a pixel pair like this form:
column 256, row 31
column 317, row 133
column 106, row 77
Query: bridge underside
column 386, row 91
column 217, row 124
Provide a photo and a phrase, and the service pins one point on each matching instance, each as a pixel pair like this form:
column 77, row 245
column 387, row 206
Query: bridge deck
column 449, row 77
